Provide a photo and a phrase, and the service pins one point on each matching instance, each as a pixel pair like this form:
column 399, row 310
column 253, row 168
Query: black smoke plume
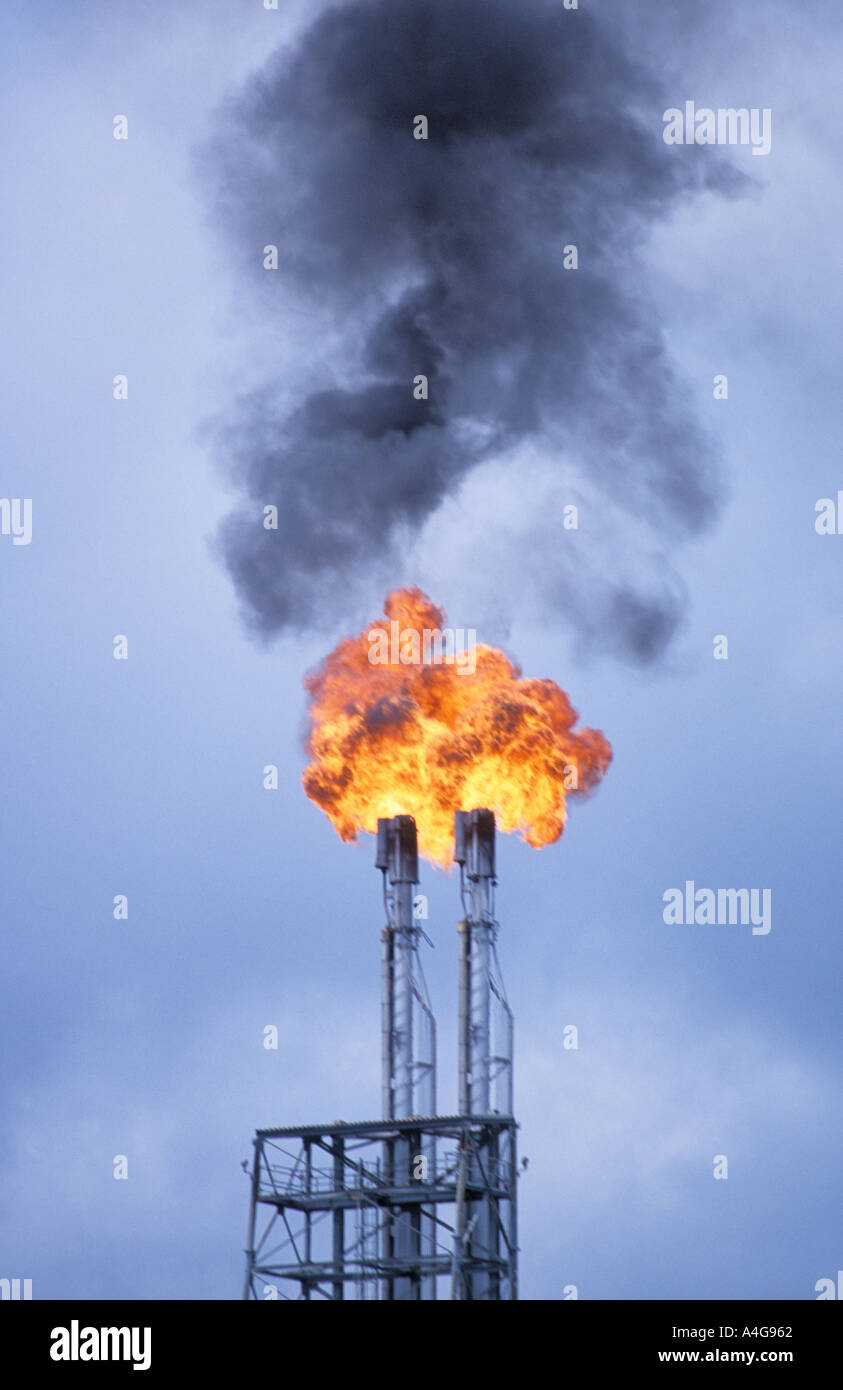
column 444, row 257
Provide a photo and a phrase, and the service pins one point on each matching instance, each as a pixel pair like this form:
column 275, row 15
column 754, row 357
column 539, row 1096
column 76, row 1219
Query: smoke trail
column 444, row 258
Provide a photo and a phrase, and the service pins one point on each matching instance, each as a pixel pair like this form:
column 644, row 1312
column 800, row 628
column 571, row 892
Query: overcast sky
column 144, row 777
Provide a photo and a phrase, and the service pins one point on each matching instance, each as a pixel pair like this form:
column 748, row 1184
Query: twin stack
column 415, row 1205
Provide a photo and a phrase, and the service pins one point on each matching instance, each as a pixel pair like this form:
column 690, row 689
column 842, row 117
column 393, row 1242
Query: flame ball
column 398, row 728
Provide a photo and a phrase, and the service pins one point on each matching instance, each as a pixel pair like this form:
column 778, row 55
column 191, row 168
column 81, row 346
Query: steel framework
column 323, row 1196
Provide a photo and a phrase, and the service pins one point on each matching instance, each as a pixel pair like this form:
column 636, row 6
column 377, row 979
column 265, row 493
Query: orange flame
column 426, row 739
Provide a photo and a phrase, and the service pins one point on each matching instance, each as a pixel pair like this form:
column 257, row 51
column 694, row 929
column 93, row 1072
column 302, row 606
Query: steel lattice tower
column 415, row 1205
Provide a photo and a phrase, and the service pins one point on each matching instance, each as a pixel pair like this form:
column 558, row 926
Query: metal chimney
column 408, row 1058
column 408, row 1029
column 484, row 1067
column 485, row 1018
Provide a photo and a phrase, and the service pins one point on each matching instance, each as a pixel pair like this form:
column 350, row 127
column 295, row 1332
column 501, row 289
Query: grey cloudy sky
column 144, row 777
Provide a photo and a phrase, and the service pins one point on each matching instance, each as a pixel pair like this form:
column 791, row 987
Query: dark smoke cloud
column 444, row 257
